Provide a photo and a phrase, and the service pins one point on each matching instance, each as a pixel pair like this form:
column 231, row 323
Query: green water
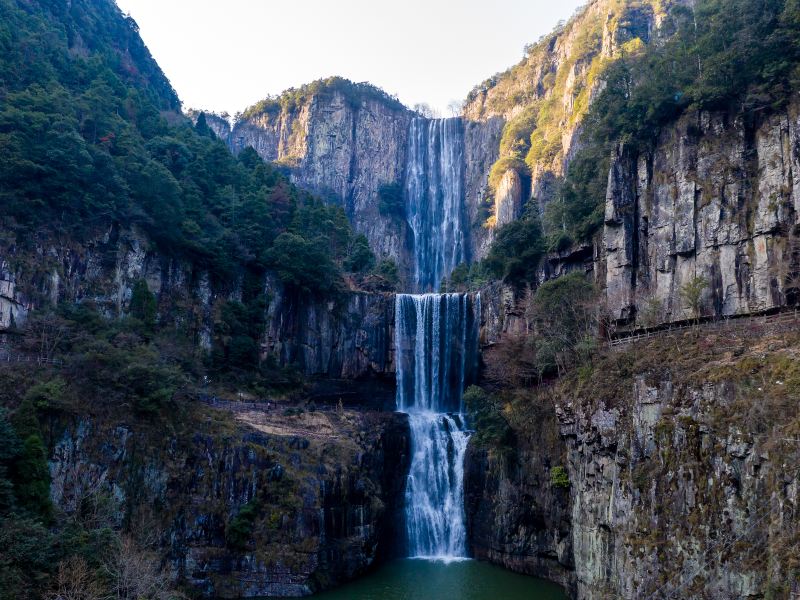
column 426, row 580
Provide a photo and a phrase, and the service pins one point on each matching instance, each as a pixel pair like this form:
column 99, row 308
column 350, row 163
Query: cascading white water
column 434, row 196
column 436, row 349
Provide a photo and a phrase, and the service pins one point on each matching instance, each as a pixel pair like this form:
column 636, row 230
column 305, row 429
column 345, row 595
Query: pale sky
column 224, row 55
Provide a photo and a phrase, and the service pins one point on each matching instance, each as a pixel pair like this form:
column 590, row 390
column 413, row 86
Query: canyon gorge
column 419, row 418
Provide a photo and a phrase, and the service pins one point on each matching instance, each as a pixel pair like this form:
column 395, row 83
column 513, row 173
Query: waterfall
column 434, row 198
column 436, row 354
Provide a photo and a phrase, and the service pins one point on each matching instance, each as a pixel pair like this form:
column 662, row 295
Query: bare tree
column 426, row 110
column 44, row 334
column 651, row 314
column 76, row 581
column 455, row 107
column 135, row 574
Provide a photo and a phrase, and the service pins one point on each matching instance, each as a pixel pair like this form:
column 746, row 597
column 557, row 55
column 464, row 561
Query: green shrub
column 143, row 303
column 566, row 319
column 390, row 200
column 47, row 394
column 515, row 253
column 239, row 530
column 387, row 269
column 359, row 256
column 559, row 478
column 486, row 418
column 465, row 278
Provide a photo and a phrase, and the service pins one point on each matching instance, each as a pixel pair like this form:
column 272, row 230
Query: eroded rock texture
column 717, row 199
column 345, row 148
column 347, row 339
column 327, row 488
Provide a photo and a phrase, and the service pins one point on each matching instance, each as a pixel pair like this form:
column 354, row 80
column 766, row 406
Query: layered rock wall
column 342, row 149
column 345, row 149
column 715, row 201
column 667, row 501
column 348, row 339
column 327, row 505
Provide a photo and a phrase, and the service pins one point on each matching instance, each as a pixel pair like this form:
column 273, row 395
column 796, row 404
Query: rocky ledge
column 250, row 503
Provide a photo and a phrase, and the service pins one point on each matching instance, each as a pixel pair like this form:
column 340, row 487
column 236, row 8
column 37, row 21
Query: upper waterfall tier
column 436, row 343
column 435, row 199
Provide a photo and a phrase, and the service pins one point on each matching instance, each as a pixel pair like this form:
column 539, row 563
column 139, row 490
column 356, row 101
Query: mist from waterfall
column 434, row 199
column 436, row 353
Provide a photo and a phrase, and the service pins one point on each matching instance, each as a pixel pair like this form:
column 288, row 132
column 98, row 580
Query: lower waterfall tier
column 435, row 488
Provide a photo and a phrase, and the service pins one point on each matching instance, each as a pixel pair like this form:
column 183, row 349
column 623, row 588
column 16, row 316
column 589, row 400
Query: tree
column 426, row 110
column 359, row 256
column 303, row 265
column 517, row 249
column 75, row 580
column 486, row 417
column 566, row 322
column 143, row 304
column 390, row 200
column 135, row 574
column 692, row 294
column 9, row 451
column 455, row 107
column 44, row 334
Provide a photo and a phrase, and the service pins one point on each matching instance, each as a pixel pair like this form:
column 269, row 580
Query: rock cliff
column 680, row 472
column 347, row 339
column 516, row 518
column 716, row 200
column 342, row 143
column 346, row 141
column 544, row 98
column 327, row 488
column 677, row 486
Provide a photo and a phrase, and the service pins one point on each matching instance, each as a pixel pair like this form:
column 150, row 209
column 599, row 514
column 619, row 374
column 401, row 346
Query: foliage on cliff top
column 92, row 141
column 516, row 250
column 293, row 98
column 47, row 40
column 716, row 397
column 737, row 55
column 562, row 317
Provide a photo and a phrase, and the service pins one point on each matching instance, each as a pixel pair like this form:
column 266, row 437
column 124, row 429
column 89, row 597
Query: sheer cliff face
column 349, row 339
column 344, row 147
column 327, row 504
column 345, row 150
column 549, row 92
column 682, row 478
column 686, row 490
column 342, row 150
column 717, row 199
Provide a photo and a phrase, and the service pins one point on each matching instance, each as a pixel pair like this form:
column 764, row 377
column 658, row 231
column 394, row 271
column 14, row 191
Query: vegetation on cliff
column 92, row 138
column 741, row 55
column 93, row 144
column 291, row 99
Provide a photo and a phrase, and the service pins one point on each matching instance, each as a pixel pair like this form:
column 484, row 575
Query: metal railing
column 7, row 357
column 786, row 317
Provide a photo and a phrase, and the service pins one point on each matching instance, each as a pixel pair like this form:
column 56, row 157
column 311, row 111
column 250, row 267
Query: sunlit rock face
column 716, row 199
column 343, row 149
column 347, row 150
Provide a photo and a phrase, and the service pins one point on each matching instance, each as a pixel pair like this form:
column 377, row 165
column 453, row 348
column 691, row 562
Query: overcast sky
column 224, row 55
